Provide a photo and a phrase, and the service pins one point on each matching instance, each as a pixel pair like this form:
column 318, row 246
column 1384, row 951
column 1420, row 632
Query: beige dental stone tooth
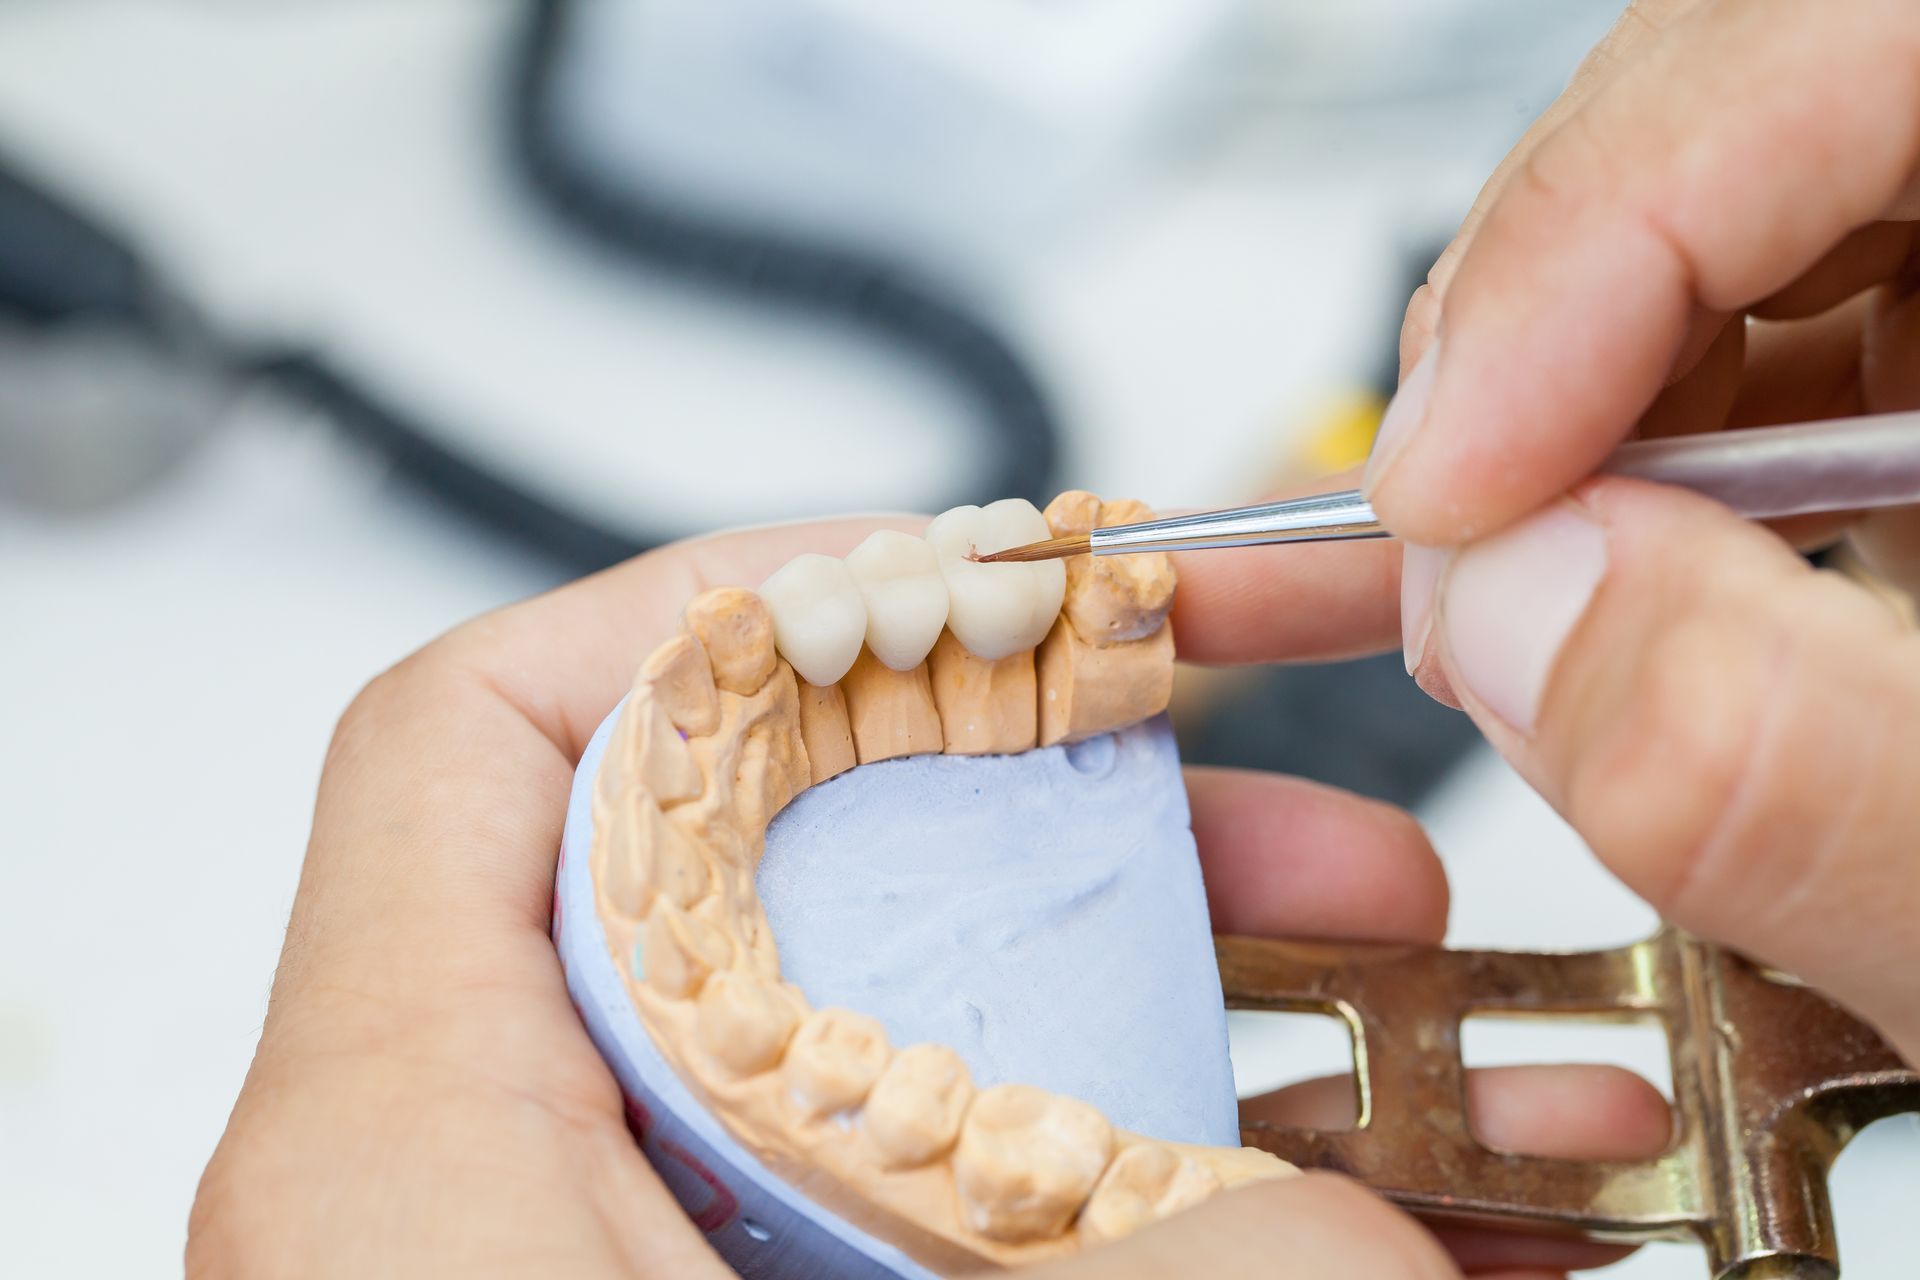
column 1111, row 599
column 680, row 872
column 744, row 1022
column 722, row 911
column 679, row 952
column 825, row 729
column 626, row 869
column 1108, row 661
column 754, row 763
column 891, row 713
column 647, row 855
column 657, row 755
column 763, row 951
column 682, row 682
column 1027, row 1160
column 1145, row 1182
column 833, row 1061
column 736, row 629
column 616, row 765
column 914, row 1112
column 986, row 707
column 1237, row 1165
column 764, row 773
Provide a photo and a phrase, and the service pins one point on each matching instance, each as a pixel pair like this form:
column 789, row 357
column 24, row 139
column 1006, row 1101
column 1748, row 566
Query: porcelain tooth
column 997, row 609
column 819, row 617
column 906, row 596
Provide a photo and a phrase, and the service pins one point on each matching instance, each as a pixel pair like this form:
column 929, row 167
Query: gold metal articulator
column 1770, row 1080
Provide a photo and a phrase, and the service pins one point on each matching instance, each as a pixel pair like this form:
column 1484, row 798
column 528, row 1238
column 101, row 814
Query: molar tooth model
column 991, row 1031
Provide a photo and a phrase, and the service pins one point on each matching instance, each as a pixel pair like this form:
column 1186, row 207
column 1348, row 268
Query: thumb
column 1732, row 732
column 1300, row 1228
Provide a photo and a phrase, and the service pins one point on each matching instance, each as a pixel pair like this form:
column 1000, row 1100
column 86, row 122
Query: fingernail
column 1405, row 412
column 1419, row 573
column 1510, row 601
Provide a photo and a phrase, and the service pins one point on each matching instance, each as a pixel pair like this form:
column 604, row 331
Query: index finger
column 1709, row 173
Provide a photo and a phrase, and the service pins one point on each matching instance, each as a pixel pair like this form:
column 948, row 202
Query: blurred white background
column 334, row 173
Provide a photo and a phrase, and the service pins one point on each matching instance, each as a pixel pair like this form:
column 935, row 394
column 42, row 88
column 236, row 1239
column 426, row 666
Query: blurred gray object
column 950, row 139
column 1409, row 58
column 93, row 413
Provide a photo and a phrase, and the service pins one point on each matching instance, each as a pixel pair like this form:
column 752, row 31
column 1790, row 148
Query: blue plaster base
column 1042, row 914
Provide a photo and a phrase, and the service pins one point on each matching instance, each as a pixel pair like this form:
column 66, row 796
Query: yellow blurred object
column 1342, row 432
column 1336, row 435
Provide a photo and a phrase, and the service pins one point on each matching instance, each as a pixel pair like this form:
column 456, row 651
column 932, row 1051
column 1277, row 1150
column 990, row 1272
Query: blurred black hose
column 60, row 266
column 464, row 485
column 1022, row 449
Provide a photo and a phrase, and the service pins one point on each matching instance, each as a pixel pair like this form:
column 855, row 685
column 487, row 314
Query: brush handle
column 1850, row 464
column 1327, row 517
column 1845, row 465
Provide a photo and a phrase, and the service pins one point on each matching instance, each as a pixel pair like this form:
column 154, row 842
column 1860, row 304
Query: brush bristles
column 1052, row 549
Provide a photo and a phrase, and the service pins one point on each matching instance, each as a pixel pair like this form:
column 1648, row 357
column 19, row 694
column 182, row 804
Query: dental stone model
column 992, row 1030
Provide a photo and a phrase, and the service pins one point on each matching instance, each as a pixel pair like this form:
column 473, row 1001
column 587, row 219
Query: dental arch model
column 905, row 648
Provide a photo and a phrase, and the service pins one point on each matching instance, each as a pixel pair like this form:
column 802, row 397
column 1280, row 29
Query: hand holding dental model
column 1729, row 730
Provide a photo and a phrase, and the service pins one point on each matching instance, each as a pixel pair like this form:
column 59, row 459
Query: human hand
column 424, row 1099
column 1714, row 227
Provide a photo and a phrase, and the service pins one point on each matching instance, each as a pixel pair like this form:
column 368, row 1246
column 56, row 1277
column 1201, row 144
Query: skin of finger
column 1875, row 254
column 1700, row 398
column 1802, row 370
column 1430, row 673
column 1731, row 732
column 1890, row 346
column 372, row 1168
column 1303, row 1228
column 1284, row 857
column 1573, row 300
column 1889, row 541
column 1316, row 603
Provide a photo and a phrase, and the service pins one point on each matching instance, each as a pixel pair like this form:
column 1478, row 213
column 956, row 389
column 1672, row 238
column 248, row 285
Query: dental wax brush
column 1850, row 464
